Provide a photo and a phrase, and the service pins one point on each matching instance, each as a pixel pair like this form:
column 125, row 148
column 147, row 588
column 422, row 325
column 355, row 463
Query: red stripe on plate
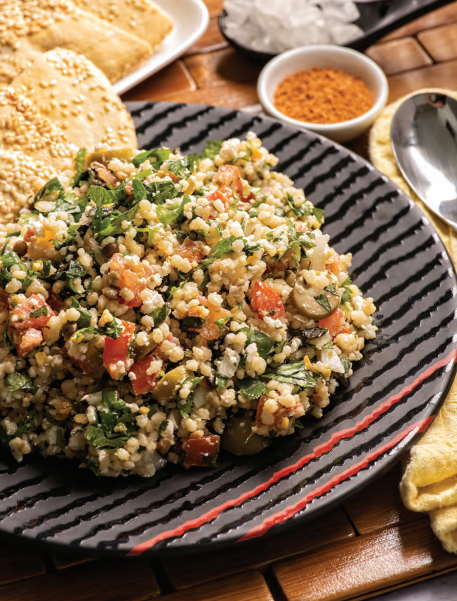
column 290, row 511
column 317, row 452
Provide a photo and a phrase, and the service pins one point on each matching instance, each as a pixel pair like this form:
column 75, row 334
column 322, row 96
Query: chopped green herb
column 40, row 312
column 160, row 314
column 85, row 316
column 18, row 381
column 293, row 373
column 332, row 289
column 323, row 301
column 185, row 405
column 195, row 323
column 160, row 154
column 169, row 214
column 163, row 426
column 251, row 388
column 80, row 162
column 347, row 294
column 346, row 364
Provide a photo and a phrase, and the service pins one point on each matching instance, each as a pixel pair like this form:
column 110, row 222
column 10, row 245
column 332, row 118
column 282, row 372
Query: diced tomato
column 301, row 227
column 134, row 279
column 29, row 233
column 278, row 415
column 118, row 349
column 190, row 250
column 334, row 264
column 230, row 176
column 201, row 452
column 143, row 381
column 334, row 322
column 266, row 301
column 55, row 302
column 20, row 316
column 343, row 331
column 224, row 195
column 210, row 329
column 26, row 341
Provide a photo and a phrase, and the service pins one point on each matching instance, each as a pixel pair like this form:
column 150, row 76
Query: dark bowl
column 377, row 19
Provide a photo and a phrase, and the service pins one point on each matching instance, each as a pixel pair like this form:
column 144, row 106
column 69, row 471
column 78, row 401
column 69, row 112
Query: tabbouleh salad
column 159, row 306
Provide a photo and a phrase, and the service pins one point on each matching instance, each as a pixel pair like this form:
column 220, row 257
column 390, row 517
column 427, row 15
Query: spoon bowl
column 424, row 142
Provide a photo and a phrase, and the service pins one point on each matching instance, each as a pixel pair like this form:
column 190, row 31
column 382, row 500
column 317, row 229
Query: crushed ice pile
column 278, row 25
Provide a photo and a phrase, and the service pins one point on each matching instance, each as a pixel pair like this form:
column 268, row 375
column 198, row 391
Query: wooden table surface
column 369, row 545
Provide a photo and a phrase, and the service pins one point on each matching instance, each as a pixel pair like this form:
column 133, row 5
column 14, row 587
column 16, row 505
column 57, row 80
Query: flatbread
column 20, row 179
column 24, row 129
column 77, row 97
column 382, row 157
column 141, row 18
column 30, row 26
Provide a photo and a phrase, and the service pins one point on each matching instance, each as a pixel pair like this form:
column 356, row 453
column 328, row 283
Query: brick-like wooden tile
column 443, row 75
column 234, row 96
column 399, row 55
column 107, row 580
column 19, row 560
column 364, row 564
column 249, row 586
column 224, row 67
column 440, row 42
column 172, row 79
column 211, row 40
column 199, row 567
column 379, row 505
column 441, row 16
column 214, row 6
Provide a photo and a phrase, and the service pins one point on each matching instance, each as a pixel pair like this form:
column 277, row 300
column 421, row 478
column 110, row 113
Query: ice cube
column 236, row 11
column 343, row 33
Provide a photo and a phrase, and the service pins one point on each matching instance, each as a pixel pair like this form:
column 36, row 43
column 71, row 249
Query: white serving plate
column 190, row 18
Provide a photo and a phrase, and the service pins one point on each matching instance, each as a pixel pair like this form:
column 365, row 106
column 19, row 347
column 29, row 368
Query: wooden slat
column 235, row 96
column 443, row 75
column 441, row 42
column 221, row 68
column 211, row 40
column 379, row 505
column 441, row 16
column 201, row 567
column 19, row 560
column 107, row 580
column 364, row 564
column 214, row 6
column 249, row 586
column 172, row 79
column 399, row 55
column 63, row 560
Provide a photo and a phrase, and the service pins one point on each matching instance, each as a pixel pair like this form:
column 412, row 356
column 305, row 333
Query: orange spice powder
column 323, row 95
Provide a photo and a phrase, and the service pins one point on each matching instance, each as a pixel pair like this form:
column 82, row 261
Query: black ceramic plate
column 377, row 19
column 393, row 395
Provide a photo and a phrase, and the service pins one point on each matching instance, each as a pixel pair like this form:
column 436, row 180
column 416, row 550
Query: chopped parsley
column 323, row 301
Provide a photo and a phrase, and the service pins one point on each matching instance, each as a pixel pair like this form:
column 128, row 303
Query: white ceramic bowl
column 336, row 57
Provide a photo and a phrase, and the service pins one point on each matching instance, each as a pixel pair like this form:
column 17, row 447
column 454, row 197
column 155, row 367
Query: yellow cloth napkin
column 429, row 480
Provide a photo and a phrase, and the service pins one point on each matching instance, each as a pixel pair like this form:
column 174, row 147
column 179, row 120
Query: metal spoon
column 424, row 142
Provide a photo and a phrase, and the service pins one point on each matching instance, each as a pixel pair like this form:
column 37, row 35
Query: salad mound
column 159, row 306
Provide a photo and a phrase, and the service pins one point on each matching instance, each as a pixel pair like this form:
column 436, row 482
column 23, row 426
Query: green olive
column 105, row 156
column 303, row 298
column 239, row 439
column 166, row 387
column 142, row 351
